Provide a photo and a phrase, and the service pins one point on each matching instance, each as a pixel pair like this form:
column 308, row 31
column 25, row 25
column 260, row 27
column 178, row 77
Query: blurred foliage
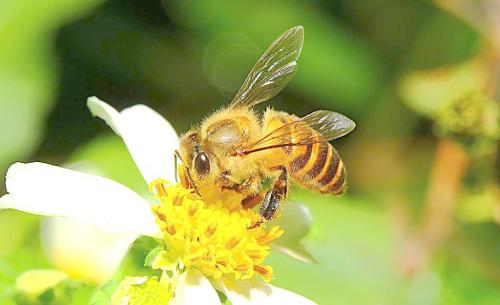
column 480, row 206
column 408, row 72
column 28, row 78
column 429, row 91
column 35, row 282
column 49, row 287
column 474, row 115
column 335, row 66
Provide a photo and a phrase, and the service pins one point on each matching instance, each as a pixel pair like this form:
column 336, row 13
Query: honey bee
column 235, row 149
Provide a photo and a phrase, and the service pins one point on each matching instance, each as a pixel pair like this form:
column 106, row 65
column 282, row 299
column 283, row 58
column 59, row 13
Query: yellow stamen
column 211, row 237
column 265, row 271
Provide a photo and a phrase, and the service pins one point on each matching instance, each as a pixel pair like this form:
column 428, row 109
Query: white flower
column 66, row 241
column 49, row 190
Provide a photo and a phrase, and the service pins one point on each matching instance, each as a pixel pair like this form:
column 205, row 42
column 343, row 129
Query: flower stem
column 446, row 178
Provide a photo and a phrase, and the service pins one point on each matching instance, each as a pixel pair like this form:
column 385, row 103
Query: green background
column 185, row 58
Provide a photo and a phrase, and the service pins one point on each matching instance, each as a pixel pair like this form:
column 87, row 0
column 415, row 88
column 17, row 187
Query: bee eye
column 202, row 164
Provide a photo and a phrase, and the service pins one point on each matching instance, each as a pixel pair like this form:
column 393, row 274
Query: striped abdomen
column 316, row 167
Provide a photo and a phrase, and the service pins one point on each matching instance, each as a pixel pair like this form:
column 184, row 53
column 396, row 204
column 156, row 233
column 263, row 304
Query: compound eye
column 202, row 164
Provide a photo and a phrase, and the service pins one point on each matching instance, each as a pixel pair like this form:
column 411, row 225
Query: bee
column 235, row 149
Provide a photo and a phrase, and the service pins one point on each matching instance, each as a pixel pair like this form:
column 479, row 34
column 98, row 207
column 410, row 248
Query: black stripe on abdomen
column 319, row 162
column 299, row 162
column 338, row 186
column 332, row 169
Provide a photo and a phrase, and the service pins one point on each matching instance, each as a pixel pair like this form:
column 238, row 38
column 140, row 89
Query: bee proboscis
column 235, row 149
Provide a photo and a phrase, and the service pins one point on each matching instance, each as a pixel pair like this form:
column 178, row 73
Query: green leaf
column 36, row 282
column 25, row 225
column 102, row 295
column 50, row 287
column 152, row 255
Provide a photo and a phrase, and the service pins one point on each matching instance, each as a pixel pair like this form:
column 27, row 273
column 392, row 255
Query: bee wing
column 328, row 124
column 273, row 70
column 316, row 127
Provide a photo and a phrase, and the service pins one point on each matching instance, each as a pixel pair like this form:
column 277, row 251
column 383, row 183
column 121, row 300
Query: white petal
column 109, row 114
column 49, row 190
column 194, row 289
column 83, row 251
column 257, row 292
column 296, row 221
column 150, row 139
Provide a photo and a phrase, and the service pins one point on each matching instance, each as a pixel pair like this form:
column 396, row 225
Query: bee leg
column 269, row 206
column 191, row 182
column 234, row 185
column 251, row 201
column 176, row 155
column 274, row 196
column 255, row 225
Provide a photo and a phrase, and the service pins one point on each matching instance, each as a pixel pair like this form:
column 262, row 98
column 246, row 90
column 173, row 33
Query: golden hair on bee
column 234, row 149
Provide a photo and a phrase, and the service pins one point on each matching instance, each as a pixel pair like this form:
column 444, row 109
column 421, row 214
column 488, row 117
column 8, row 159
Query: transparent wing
column 273, row 70
column 328, row 124
column 316, row 127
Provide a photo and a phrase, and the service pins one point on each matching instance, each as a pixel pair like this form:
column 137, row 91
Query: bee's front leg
column 230, row 183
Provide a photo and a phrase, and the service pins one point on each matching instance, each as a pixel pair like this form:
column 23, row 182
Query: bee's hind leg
column 274, row 196
column 272, row 200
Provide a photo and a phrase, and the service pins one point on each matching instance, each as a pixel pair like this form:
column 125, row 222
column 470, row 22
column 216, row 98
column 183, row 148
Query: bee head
column 197, row 159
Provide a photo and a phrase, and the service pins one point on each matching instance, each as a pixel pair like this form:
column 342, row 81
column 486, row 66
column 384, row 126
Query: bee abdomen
column 300, row 161
column 325, row 171
column 319, row 161
column 333, row 179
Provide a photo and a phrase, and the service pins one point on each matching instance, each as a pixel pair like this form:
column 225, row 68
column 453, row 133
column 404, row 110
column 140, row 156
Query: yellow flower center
column 210, row 237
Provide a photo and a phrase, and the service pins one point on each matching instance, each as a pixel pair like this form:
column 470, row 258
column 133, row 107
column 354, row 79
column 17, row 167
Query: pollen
column 218, row 241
